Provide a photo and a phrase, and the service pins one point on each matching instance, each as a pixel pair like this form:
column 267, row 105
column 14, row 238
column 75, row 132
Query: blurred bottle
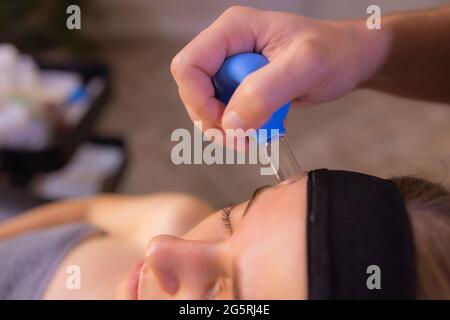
column 38, row 104
column 27, row 78
column 80, row 100
column 8, row 62
column 23, row 118
column 20, row 129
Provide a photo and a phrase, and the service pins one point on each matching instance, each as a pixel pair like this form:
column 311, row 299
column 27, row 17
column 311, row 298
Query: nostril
column 167, row 280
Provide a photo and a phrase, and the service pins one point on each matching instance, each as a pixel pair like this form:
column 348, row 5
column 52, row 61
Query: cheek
column 273, row 237
column 280, row 255
column 280, row 273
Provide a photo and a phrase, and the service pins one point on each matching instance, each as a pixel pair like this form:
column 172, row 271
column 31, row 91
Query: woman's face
column 256, row 250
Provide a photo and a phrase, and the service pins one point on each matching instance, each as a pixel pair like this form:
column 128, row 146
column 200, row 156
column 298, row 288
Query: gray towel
column 28, row 262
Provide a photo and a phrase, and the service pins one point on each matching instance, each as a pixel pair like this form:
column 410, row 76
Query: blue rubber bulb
column 233, row 71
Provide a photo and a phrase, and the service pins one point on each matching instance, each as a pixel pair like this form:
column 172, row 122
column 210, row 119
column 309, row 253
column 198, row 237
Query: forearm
column 134, row 217
column 45, row 216
column 417, row 62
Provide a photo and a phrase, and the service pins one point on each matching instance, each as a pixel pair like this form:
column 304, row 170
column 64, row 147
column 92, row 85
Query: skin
column 306, row 57
column 186, row 252
column 265, row 256
column 417, row 64
column 312, row 62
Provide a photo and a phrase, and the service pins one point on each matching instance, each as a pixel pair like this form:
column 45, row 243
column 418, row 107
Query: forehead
column 274, row 209
column 272, row 236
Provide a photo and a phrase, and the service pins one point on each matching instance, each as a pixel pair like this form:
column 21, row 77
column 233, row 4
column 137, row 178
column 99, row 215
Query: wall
column 180, row 20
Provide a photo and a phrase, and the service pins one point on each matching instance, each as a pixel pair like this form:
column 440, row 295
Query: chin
column 122, row 291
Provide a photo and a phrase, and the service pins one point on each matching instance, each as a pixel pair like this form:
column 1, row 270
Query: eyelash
column 226, row 217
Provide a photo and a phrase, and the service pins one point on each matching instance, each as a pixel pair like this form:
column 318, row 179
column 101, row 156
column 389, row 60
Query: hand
column 310, row 61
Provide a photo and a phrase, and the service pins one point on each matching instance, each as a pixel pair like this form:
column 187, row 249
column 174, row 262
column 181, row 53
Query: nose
column 188, row 269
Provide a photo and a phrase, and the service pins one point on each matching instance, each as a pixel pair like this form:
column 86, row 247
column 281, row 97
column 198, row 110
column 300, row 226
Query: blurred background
column 120, row 58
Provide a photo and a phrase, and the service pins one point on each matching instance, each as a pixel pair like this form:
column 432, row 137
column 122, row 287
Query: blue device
column 228, row 78
column 230, row 75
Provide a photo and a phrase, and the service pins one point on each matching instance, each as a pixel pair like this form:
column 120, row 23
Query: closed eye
column 226, row 213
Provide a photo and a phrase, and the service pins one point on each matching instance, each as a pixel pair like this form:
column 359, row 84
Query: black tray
column 17, row 200
column 20, row 165
column 112, row 184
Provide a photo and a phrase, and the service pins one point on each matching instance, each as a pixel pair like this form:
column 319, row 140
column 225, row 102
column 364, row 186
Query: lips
column 133, row 280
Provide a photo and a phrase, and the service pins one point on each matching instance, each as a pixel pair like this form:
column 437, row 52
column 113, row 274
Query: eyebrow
column 236, row 290
column 253, row 198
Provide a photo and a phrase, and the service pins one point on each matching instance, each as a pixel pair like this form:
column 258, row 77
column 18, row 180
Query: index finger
column 195, row 65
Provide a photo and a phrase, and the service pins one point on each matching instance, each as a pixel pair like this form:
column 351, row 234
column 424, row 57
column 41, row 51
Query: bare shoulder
column 141, row 217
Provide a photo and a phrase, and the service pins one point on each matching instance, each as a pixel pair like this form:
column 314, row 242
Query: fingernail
column 231, row 120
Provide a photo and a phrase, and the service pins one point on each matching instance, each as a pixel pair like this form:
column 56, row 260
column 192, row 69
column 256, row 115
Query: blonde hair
column 428, row 206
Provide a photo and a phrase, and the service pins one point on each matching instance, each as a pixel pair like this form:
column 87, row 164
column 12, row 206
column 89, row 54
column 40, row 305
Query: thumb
column 266, row 90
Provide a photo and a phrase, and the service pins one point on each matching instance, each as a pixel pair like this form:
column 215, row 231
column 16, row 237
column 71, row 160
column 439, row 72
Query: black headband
column 356, row 221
